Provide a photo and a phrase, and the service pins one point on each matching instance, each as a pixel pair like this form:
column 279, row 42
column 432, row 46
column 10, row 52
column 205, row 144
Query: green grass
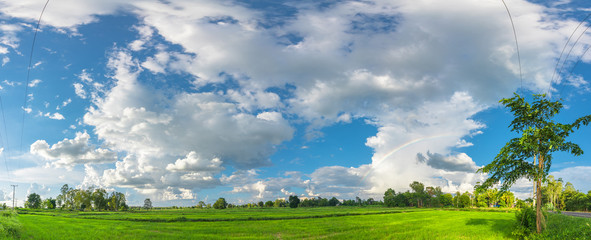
column 566, row 227
column 284, row 223
column 10, row 227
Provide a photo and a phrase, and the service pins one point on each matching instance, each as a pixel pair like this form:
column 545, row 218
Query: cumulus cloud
column 195, row 163
column 417, row 70
column 459, row 162
column 578, row 176
column 40, row 189
column 205, row 129
column 69, row 152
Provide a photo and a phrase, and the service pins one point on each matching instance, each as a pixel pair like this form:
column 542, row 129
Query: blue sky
column 184, row 101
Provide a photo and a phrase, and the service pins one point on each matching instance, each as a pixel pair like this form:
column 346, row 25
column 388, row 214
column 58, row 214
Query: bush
column 10, row 227
column 525, row 224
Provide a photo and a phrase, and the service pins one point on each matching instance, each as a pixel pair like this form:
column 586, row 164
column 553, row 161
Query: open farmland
column 272, row 223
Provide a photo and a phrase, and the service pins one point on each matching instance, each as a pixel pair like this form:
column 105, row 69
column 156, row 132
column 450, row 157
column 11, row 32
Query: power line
column 574, row 66
column 570, row 51
column 516, row 42
column 564, row 48
column 29, row 73
column 5, row 149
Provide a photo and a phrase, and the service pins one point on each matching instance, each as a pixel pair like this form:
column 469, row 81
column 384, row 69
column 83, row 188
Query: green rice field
column 269, row 223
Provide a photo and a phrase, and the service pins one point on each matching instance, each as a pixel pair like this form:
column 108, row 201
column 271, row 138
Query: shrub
column 10, row 227
column 526, row 222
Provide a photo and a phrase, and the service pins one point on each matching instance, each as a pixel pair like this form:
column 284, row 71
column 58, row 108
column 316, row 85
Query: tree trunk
column 539, row 216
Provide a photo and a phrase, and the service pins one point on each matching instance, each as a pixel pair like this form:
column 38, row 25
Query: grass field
column 271, row 223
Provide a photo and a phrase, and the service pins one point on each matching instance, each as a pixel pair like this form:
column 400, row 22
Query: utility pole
column 13, row 192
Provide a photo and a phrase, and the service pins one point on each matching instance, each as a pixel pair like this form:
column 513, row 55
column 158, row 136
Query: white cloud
column 460, row 162
column 579, row 176
column 34, row 83
column 10, row 83
column 41, row 189
column 199, row 127
column 69, row 152
column 37, row 64
column 195, row 163
column 55, row 116
column 65, row 103
column 419, row 70
column 45, row 175
column 61, row 14
column 5, row 59
column 85, row 76
column 79, row 90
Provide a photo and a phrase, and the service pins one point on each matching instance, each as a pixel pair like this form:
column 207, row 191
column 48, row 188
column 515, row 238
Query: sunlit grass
column 313, row 223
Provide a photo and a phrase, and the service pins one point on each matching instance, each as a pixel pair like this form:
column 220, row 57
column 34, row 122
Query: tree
column 269, row 203
column 99, row 199
column 552, row 190
column 201, row 204
column 294, row 201
column 389, row 197
column 418, row 192
column 279, row 203
column 446, row 199
column 464, row 200
column 147, row 204
column 49, row 203
column 220, row 203
column 540, row 137
column 333, row 202
column 117, row 201
column 33, row 201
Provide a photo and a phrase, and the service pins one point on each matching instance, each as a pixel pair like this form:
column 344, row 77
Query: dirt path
column 578, row 214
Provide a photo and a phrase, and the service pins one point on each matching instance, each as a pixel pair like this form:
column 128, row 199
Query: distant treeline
column 555, row 195
column 96, row 199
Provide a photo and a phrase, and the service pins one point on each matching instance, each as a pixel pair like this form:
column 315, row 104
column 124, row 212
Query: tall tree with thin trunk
column 530, row 156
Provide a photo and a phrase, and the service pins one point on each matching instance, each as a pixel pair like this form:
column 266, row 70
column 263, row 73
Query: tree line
column 421, row 196
column 97, row 199
column 557, row 196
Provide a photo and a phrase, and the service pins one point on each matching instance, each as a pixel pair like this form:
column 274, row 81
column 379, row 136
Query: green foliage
column 333, row 202
column 220, row 204
column 464, row 200
column 540, row 137
column 525, row 222
column 389, row 197
column 294, row 201
column 33, row 201
column 447, row 200
column 49, row 203
column 279, row 203
column 147, row 204
column 566, row 227
column 10, row 227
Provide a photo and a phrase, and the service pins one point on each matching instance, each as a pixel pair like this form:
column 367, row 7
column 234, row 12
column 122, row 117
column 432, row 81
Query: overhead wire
column 516, row 43
column 5, row 147
column 564, row 48
column 569, row 52
column 574, row 66
column 29, row 74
